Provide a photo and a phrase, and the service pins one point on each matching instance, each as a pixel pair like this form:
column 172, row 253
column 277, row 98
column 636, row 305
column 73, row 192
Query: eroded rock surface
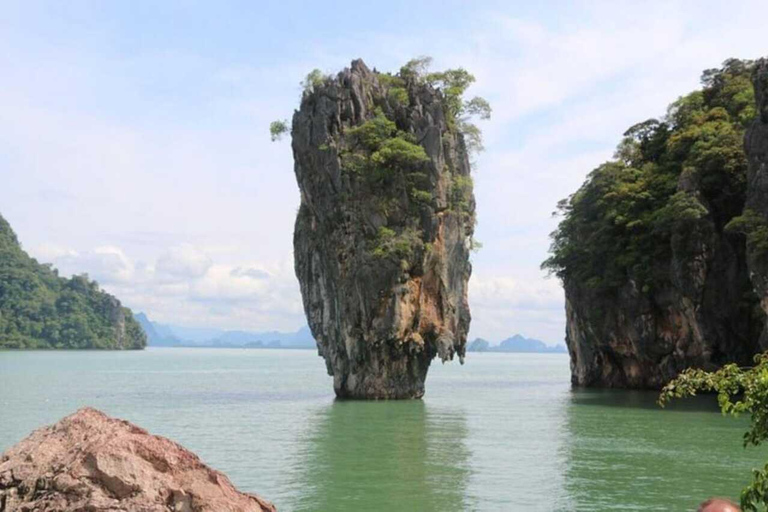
column 382, row 255
column 89, row 461
column 756, row 146
column 695, row 299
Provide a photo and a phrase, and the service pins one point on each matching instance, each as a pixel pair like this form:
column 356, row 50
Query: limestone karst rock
column 667, row 285
column 89, row 461
column 756, row 209
column 383, row 234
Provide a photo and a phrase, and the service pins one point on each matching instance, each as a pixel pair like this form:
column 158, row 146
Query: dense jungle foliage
column 39, row 309
column 668, row 176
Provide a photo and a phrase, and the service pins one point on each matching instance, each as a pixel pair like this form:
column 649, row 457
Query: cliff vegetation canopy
column 621, row 223
column 39, row 309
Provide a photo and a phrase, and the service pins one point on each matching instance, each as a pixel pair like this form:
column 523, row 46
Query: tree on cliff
column 739, row 391
column 39, row 309
column 621, row 223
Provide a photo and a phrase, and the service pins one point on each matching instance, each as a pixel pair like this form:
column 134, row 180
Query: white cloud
column 106, row 264
column 154, row 172
column 252, row 273
column 184, row 262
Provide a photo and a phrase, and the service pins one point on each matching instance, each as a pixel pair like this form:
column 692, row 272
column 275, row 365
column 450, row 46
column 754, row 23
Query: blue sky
column 134, row 144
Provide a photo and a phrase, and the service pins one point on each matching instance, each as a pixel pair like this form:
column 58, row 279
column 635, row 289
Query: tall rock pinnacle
column 756, row 208
column 384, row 230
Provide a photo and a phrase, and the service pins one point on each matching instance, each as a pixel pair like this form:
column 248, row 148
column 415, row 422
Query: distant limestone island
column 41, row 310
column 516, row 344
column 166, row 335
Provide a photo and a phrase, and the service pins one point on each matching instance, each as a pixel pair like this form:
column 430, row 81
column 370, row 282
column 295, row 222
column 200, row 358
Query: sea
column 502, row 432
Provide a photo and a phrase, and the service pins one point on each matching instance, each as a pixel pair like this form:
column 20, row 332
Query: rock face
column 89, row 461
column 756, row 146
column 382, row 251
column 702, row 309
column 636, row 341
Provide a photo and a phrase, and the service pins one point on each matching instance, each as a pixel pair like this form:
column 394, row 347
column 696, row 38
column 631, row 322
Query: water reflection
column 622, row 450
column 384, row 455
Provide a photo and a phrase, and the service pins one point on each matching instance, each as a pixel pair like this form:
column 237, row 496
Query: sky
column 134, row 140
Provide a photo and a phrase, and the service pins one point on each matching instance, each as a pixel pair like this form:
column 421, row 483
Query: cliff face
column 652, row 250
column 756, row 146
column 383, row 233
column 703, row 316
column 39, row 309
column 89, row 461
column 632, row 340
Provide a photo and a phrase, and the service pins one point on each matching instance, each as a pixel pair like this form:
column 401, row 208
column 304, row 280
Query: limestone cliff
column 652, row 258
column 756, row 209
column 383, row 233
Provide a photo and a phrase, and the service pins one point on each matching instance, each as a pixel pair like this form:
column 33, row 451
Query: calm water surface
column 502, row 432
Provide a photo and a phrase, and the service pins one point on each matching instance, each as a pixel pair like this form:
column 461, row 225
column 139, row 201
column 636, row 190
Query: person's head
column 719, row 505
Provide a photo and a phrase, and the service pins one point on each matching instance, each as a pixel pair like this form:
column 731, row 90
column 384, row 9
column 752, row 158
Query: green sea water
column 502, row 432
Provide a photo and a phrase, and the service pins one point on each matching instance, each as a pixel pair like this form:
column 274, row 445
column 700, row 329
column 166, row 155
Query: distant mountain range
column 516, row 343
column 166, row 335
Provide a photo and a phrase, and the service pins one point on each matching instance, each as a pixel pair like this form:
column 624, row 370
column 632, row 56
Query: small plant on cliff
column 755, row 227
column 390, row 244
column 313, row 80
column 453, row 83
column 277, row 129
column 739, row 391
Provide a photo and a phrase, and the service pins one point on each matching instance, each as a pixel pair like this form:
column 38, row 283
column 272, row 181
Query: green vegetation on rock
column 755, row 227
column 277, row 129
column 39, row 309
column 671, row 178
column 739, row 391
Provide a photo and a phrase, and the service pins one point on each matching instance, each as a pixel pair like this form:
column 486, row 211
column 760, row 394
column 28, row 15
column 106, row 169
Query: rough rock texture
column 706, row 316
column 91, row 462
column 379, row 321
column 631, row 340
column 756, row 146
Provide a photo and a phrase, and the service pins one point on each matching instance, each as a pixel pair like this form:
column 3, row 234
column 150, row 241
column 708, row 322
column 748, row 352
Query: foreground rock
column 91, row 462
column 384, row 229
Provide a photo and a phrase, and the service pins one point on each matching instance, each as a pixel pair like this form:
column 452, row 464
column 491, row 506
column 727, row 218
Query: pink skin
column 719, row 505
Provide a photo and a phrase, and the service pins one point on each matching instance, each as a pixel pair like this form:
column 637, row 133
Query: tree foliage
column 39, row 309
column 755, row 228
column 313, row 81
column 453, row 83
column 620, row 224
column 277, row 129
column 739, row 391
column 382, row 152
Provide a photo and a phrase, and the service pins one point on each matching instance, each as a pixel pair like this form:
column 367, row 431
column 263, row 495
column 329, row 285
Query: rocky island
column 754, row 222
column 662, row 252
column 89, row 461
column 384, row 231
column 40, row 309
